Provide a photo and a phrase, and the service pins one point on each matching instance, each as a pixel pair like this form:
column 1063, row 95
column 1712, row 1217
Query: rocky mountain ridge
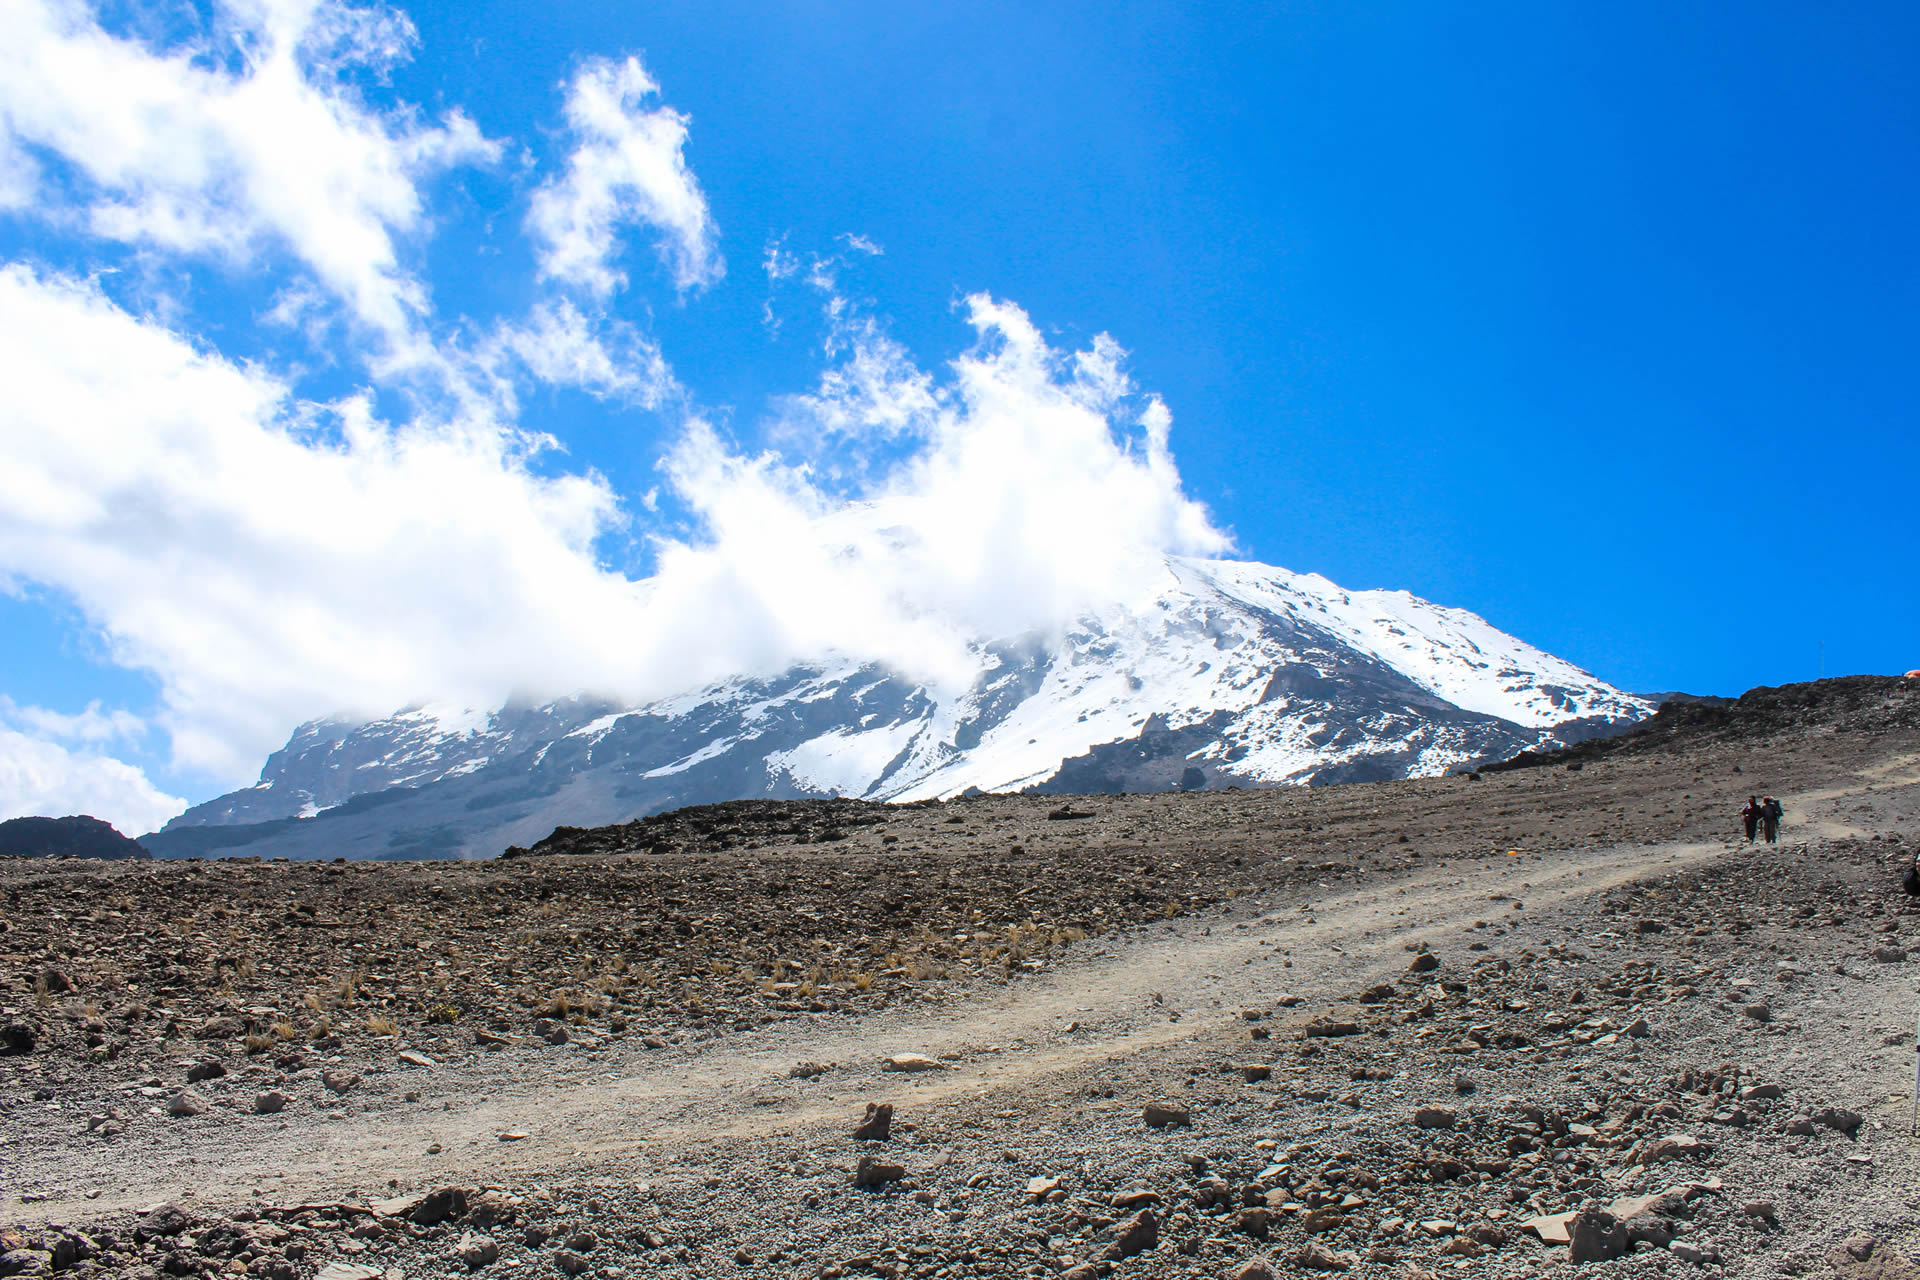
column 1230, row 674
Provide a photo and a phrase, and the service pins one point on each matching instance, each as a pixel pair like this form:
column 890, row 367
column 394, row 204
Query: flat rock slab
column 914, row 1062
column 349, row 1271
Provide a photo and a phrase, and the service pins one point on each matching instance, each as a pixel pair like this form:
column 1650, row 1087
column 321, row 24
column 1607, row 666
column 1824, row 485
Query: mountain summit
column 1231, row 674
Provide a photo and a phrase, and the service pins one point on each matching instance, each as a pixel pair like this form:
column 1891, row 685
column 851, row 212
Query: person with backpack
column 1770, row 815
column 1750, row 817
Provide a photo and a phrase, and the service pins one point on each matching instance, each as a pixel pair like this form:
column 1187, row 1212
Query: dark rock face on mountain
column 1846, row 704
column 73, row 837
column 1231, row 675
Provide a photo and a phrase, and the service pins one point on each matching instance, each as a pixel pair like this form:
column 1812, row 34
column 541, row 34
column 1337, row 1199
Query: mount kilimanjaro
column 1234, row 674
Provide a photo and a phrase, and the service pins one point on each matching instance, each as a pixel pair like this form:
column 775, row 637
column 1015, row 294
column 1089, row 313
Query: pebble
column 476, row 1250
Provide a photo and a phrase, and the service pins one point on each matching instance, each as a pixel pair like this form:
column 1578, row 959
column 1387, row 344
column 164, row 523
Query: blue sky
column 1594, row 320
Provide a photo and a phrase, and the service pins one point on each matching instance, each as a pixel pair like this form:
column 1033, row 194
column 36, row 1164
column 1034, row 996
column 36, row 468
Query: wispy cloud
column 628, row 166
column 564, row 347
column 202, row 150
column 91, row 725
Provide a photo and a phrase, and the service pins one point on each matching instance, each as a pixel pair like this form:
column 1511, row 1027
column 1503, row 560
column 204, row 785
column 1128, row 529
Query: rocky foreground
column 1549, row 1017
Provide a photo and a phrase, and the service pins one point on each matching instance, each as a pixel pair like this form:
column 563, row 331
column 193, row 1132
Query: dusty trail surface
column 1396, row 1029
column 574, row 1108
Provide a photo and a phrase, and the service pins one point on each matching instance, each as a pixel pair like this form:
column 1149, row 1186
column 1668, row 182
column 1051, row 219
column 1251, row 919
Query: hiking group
column 1762, row 814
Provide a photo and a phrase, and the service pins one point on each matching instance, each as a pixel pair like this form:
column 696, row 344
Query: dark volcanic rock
column 74, row 837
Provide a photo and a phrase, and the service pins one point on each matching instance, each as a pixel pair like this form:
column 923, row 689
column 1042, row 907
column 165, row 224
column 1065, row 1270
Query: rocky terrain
column 1556, row 1016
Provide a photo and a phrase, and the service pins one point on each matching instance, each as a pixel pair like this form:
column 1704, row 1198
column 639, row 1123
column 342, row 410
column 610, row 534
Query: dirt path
column 584, row 1107
column 1885, row 797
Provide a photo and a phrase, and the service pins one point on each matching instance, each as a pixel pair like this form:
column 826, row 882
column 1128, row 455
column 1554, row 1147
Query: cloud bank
column 268, row 558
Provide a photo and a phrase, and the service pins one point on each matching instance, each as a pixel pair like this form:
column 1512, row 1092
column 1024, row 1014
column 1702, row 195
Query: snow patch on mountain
column 1228, row 672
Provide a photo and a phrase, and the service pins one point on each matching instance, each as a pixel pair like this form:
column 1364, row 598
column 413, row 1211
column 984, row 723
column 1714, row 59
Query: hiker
column 1770, row 814
column 1750, row 817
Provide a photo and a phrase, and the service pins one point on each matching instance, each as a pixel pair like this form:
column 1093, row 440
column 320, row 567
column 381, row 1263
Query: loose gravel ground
column 1391, row 1029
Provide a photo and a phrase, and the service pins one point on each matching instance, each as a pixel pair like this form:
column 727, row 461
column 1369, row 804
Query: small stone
column 1763, row 1209
column 349, row 1271
column 1594, row 1235
column 571, row 1263
column 1041, row 1188
column 874, row 1173
column 205, row 1071
column 1698, row 1254
column 1161, row 1115
column 413, row 1059
column 1436, row 1117
column 513, row 1135
column 1425, row 962
column 1315, row 1256
column 1138, row 1234
column 1674, row 1146
column 808, row 1070
column 272, row 1102
column 1255, row 1221
column 1327, row 1027
column 1254, row 1269
column 476, row 1250
column 1889, row 954
column 1256, row 1071
column 1639, row 1029
column 339, row 1081
column 1760, row 1092
column 1798, row 1127
column 877, row 1126
column 1859, row 1248
column 1464, row 1084
column 168, row 1220
column 913, row 1062
column 438, row 1206
column 187, row 1103
column 1839, row 1118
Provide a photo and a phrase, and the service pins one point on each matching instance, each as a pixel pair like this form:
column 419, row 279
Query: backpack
column 1911, row 881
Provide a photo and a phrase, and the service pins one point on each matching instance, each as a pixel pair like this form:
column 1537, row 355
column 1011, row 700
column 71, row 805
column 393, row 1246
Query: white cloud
column 560, row 345
column 217, row 147
column 1015, row 504
column 269, row 561
column 38, row 777
column 91, row 725
column 628, row 165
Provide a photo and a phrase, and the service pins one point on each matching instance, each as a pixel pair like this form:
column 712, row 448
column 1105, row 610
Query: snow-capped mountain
column 1233, row 673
